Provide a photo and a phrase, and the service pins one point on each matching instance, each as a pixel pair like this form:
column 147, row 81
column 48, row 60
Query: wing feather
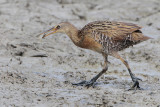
column 116, row 30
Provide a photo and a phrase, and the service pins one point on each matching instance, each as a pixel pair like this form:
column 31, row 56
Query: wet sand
column 40, row 73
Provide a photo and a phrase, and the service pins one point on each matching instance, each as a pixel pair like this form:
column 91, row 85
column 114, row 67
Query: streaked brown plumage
column 104, row 37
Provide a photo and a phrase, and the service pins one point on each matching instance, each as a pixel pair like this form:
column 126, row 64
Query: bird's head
column 60, row 28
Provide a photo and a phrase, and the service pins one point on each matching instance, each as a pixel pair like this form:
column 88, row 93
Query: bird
column 106, row 38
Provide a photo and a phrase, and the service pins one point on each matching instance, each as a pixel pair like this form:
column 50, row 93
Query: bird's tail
column 139, row 37
column 144, row 38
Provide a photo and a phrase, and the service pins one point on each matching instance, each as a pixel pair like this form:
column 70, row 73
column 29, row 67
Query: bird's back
column 113, row 36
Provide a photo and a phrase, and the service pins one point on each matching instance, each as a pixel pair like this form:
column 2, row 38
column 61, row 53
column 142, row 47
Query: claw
column 136, row 86
column 136, row 83
column 89, row 84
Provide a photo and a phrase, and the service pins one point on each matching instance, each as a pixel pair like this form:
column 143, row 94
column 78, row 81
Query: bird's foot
column 86, row 83
column 136, row 84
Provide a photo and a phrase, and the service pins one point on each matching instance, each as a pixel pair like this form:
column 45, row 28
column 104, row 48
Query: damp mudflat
column 36, row 72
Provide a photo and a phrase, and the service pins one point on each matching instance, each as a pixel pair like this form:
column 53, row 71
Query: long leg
column 93, row 80
column 133, row 77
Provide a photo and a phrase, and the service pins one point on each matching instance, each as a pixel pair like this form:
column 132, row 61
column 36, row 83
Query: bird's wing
column 115, row 30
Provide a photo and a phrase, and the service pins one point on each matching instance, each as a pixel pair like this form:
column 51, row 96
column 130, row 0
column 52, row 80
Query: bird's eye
column 58, row 27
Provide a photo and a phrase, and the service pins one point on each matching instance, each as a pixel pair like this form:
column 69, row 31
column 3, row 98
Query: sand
column 39, row 73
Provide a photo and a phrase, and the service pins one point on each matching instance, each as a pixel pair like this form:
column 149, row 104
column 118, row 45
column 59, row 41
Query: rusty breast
column 90, row 43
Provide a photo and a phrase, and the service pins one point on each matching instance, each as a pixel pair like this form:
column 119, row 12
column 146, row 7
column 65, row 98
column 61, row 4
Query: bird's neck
column 72, row 32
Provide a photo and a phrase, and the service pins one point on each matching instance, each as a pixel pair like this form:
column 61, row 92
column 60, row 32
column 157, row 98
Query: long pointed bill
column 48, row 32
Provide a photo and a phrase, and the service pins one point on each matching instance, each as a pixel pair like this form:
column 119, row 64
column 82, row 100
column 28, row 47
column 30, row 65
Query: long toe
column 138, row 79
column 80, row 83
column 134, row 78
column 85, row 83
